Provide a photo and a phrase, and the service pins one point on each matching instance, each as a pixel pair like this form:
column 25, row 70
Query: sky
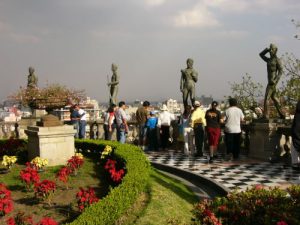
column 74, row 43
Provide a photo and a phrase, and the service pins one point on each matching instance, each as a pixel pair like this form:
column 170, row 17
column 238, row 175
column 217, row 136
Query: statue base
column 56, row 143
column 264, row 140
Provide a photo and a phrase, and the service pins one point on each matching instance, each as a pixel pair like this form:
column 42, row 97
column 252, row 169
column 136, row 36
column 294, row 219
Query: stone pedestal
column 54, row 143
column 264, row 141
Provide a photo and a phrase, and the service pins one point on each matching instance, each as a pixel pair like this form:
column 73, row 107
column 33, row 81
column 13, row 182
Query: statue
column 32, row 79
column 113, row 85
column 189, row 77
column 274, row 69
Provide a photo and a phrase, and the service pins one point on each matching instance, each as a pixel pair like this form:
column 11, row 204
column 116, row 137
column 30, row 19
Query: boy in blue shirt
column 152, row 132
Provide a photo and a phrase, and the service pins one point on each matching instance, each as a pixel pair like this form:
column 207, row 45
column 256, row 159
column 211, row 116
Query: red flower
column 85, row 198
column 20, row 219
column 75, row 163
column 6, row 203
column 44, row 189
column 63, row 174
column 10, row 221
column 116, row 175
column 47, row 221
column 29, row 175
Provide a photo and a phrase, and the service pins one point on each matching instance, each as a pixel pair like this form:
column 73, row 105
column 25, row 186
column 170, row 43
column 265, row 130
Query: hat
column 164, row 108
column 152, row 113
column 197, row 103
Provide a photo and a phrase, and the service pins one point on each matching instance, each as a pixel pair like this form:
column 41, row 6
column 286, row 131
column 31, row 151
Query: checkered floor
column 231, row 174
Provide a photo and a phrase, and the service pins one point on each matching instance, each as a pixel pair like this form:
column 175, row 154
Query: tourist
column 108, row 124
column 151, row 127
column 121, row 119
column 213, row 128
column 198, row 123
column 75, row 117
column 233, row 118
column 188, row 134
column 164, row 123
column 295, row 146
column 141, row 119
column 82, row 122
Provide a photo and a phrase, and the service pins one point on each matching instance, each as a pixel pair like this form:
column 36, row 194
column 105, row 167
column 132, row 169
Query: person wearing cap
column 198, row 122
column 233, row 118
column 121, row 118
column 213, row 128
column 151, row 126
column 142, row 115
column 164, row 123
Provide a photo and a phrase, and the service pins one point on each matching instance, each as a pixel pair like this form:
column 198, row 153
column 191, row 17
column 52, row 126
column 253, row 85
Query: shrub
column 120, row 198
column 12, row 146
column 257, row 206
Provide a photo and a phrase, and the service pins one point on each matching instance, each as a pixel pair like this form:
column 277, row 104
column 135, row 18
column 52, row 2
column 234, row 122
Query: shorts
column 213, row 135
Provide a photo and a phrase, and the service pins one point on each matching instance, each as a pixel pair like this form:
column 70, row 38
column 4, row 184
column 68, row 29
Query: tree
column 247, row 92
column 290, row 89
column 52, row 96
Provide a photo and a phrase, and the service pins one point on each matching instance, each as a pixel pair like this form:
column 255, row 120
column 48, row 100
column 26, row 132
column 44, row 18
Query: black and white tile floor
column 238, row 174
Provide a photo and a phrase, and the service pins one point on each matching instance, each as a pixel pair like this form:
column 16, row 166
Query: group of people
column 78, row 120
column 196, row 123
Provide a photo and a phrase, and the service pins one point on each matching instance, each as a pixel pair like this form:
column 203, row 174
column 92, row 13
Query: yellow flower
column 79, row 155
column 39, row 162
column 8, row 161
column 107, row 150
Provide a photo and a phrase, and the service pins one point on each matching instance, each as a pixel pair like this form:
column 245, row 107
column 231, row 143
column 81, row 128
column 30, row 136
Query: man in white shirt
column 164, row 122
column 82, row 122
column 233, row 118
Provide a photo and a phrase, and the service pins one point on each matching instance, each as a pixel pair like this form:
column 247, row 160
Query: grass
column 64, row 206
column 168, row 201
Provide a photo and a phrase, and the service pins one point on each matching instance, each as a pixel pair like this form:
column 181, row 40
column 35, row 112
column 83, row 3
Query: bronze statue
column 113, row 85
column 189, row 77
column 274, row 69
column 32, row 79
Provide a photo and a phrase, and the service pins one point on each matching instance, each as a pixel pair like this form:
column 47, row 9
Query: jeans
column 76, row 127
column 82, row 125
column 121, row 135
column 142, row 134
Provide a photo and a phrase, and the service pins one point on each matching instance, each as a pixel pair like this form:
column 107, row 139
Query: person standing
column 164, row 123
column 198, row 124
column 141, row 119
column 213, row 128
column 233, row 118
column 82, row 122
column 75, row 117
column 188, row 134
column 121, row 118
column 151, row 127
column 109, row 121
column 295, row 146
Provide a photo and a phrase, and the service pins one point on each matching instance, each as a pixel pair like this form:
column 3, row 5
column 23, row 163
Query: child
column 152, row 131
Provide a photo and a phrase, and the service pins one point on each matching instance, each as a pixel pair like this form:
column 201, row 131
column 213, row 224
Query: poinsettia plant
column 9, row 161
column 85, row 197
column 29, row 176
column 63, row 175
column 6, row 203
column 116, row 175
column 44, row 190
column 39, row 162
column 20, row 219
column 75, row 163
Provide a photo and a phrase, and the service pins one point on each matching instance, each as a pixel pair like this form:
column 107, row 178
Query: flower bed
column 257, row 206
column 120, row 198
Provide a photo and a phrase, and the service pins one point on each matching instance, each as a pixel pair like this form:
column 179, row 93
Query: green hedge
column 120, row 198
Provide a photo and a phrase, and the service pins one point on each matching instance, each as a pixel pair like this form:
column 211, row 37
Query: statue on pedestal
column 274, row 69
column 189, row 77
column 113, row 85
column 31, row 79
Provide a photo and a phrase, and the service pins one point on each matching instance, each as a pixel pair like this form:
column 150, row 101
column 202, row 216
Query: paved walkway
column 238, row 174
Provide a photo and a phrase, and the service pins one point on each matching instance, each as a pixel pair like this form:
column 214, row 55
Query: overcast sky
column 74, row 42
